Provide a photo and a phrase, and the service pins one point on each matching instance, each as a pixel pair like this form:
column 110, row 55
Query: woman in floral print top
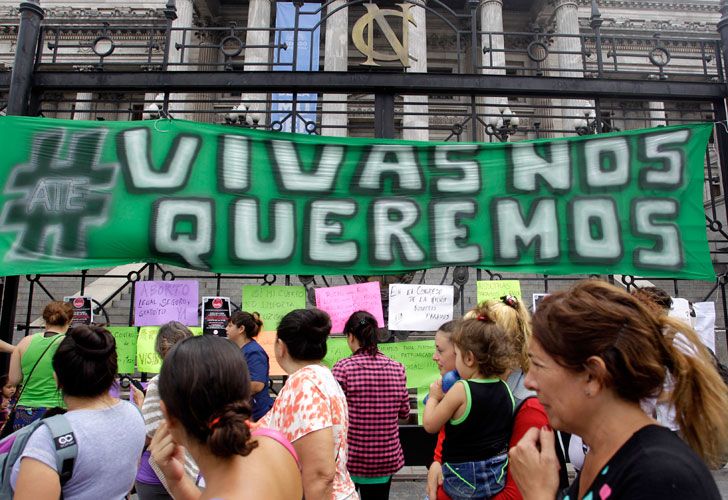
column 311, row 408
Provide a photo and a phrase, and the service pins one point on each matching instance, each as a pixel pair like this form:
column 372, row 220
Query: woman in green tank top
column 31, row 365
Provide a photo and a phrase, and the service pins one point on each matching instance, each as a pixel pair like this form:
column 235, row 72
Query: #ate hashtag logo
column 58, row 194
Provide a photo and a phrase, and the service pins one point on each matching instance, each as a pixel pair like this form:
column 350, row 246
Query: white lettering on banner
column 194, row 246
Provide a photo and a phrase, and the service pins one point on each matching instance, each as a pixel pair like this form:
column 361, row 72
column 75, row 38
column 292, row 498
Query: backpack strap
column 65, row 443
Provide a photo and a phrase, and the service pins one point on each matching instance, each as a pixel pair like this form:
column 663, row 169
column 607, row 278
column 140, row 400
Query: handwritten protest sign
column 157, row 302
column 126, row 347
column 495, row 289
column 416, row 356
column 341, row 301
column 705, row 323
column 148, row 361
column 419, row 307
column 273, row 302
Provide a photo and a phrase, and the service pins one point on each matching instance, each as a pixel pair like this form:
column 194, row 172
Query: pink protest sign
column 157, row 302
column 341, row 301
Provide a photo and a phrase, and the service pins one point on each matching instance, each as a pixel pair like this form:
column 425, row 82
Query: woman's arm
column 36, row 480
column 439, row 411
column 15, row 375
column 256, row 387
column 318, row 465
column 5, row 347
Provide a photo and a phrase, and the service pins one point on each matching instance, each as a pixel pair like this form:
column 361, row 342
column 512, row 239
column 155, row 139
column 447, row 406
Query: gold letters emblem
column 366, row 23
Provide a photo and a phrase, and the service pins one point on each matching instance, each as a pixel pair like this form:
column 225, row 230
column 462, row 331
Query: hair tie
column 362, row 322
column 483, row 317
column 213, row 423
column 510, row 300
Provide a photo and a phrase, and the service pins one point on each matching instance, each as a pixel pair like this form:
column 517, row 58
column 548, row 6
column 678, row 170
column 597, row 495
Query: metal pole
column 384, row 115
column 21, row 82
column 723, row 30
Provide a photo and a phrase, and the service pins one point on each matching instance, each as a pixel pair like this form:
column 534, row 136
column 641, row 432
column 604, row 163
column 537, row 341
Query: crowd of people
column 633, row 386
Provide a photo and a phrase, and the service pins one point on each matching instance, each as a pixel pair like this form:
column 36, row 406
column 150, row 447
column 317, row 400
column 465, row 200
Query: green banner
column 83, row 194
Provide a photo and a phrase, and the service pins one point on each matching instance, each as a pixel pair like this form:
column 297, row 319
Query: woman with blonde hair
column 596, row 352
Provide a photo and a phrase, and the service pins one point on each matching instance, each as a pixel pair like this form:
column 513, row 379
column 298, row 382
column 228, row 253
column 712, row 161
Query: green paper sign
column 80, row 194
column 148, row 361
column 126, row 347
column 273, row 302
column 416, row 356
column 495, row 289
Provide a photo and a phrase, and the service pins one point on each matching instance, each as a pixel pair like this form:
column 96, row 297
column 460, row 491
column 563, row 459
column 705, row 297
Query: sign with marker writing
column 419, row 308
column 147, row 359
column 157, row 302
column 126, row 347
column 273, row 302
column 341, row 301
column 495, row 289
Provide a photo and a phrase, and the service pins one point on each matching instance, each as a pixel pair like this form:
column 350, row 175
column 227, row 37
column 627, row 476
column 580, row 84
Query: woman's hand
column 434, row 479
column 534, row 465
column 137, row 397
column 168, row 454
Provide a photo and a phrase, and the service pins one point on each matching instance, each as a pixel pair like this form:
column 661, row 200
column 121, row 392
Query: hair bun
column 229, row 432
column 91, row 343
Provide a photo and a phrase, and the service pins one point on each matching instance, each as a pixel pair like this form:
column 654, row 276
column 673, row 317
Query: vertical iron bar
column 721, row 142
column 384, row 116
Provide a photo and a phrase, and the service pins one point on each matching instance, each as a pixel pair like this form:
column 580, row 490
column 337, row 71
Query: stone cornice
column 652, row 26
column 655, row 5
column 115, row 14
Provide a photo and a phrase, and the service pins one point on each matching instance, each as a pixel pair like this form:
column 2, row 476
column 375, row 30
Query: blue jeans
column 475, row 479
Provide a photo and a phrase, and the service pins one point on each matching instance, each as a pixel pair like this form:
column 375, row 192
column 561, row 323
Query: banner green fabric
column 84, row 194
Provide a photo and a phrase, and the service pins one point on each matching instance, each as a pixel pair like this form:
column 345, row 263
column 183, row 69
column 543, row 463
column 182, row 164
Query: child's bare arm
column 439, row 411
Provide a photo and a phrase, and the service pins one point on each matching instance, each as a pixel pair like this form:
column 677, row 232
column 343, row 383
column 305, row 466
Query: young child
column 7, row 400
column 477, row 412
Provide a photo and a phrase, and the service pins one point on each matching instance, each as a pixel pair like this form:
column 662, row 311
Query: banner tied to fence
column 84, row 194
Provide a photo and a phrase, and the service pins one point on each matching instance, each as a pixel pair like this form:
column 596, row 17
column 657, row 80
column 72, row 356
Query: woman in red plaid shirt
column 376, row 392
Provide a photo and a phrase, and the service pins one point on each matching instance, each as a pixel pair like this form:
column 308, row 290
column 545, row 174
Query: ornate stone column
column 179, row 58
column 493, row 58
column 566, row 15
column 416, row 122
column 657, row 114
column 83, row 107
column 334, row 118
column 208, row 57
column 257, row 54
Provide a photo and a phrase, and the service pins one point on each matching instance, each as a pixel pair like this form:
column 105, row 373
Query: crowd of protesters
column 595, row 364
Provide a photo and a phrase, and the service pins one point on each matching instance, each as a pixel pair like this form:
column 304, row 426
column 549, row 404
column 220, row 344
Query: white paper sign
column 537, row 298
column 705, row 323
column 419, row 308
column 681, row 310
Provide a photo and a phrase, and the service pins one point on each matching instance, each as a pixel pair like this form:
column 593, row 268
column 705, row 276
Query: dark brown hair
column 638, row 347
column 248, row 321
column 484, row 338
column 85, row 361
column 363, row 326
column 57, row 313
column 204, row 384
column 305, row 331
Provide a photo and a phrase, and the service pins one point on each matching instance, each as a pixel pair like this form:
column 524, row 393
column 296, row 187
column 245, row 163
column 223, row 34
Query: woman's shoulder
column 656, row 458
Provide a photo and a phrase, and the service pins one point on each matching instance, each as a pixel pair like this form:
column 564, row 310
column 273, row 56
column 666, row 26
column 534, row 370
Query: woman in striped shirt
column 376, row 392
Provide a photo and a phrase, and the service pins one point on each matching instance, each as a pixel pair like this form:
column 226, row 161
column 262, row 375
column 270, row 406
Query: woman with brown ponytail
column 205, row 391
column 31, row 365
column 596, row 352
